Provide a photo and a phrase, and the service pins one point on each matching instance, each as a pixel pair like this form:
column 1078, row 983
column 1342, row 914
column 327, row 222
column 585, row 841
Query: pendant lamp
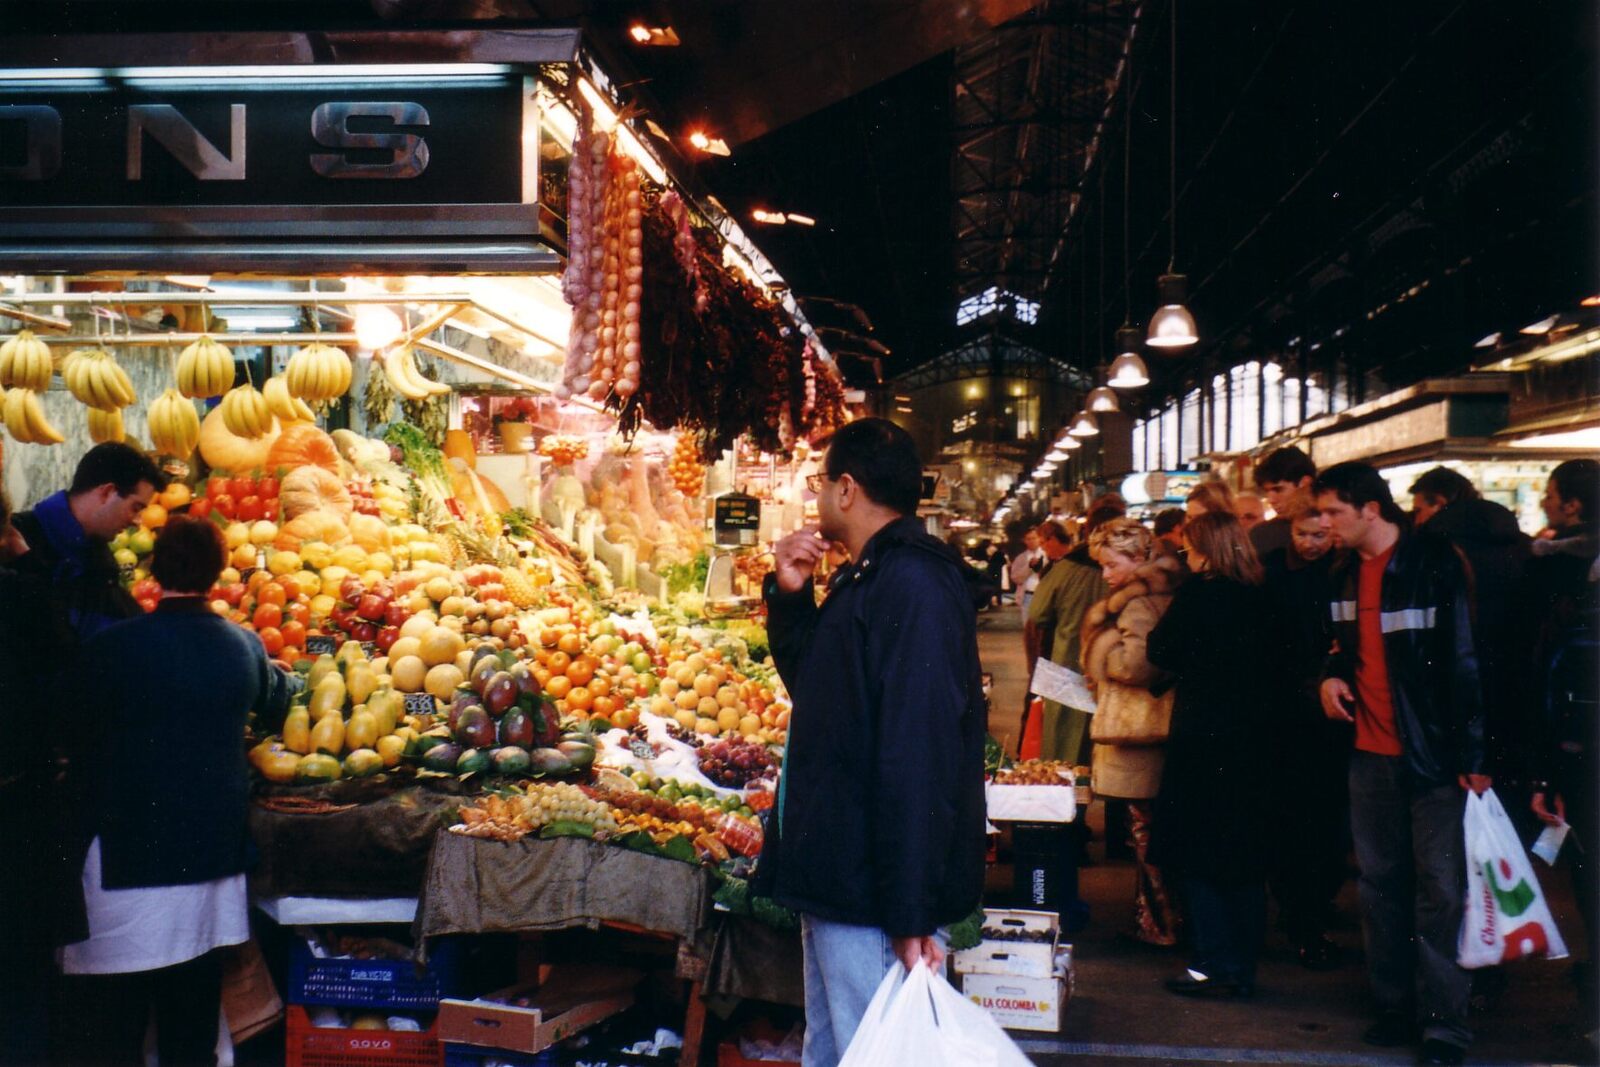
column 1101, row 400
column 1128, row 370
column 1172, row 326
column 1084, row 425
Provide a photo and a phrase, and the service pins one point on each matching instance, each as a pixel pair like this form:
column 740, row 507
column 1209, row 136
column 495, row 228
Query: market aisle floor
column 1120, row 1015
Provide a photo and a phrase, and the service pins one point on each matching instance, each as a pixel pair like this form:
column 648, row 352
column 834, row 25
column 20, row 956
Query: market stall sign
column 737, row 519
column 261, row 144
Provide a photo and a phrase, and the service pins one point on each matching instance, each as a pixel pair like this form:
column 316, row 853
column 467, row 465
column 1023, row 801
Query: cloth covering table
column 375, row 849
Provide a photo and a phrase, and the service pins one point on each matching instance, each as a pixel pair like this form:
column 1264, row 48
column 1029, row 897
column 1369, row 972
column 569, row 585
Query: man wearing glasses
column 877, row 837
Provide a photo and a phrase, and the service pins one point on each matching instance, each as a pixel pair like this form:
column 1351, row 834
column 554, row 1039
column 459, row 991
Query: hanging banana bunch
column 245, row 412
column 174, row 425
column 105, row 425
column 318, row 372
column 205, row 368
column 95, row 379
column 286, row 407
column 25, row 362
column 25, row 419
column 400, row 367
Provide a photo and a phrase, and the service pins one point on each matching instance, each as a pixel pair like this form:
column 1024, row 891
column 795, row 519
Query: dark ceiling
column 1383, row 181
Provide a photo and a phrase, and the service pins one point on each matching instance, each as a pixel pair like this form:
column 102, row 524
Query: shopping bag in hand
column 1506, row 917
column 917, row 1020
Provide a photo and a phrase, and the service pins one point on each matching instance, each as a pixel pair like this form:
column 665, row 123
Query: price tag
column 321, row 645
column 420, row 704
column 370, row 648
column 736, row 519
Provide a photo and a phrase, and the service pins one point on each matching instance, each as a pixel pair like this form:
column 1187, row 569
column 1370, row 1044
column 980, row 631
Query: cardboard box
column 570, row 1000
column 1034, row 959
column 1019, row 1003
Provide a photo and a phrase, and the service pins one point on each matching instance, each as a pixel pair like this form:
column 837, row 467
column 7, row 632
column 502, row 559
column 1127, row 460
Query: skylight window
column 995, row 300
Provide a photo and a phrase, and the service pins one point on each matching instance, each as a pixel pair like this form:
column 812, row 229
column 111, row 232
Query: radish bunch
column 605, row 269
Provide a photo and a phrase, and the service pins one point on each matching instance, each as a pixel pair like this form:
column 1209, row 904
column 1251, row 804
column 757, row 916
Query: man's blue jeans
column 844, row 966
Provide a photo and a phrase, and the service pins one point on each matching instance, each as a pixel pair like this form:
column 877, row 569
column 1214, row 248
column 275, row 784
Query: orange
column 580, row 699
column 579, row 672
column 272, row 593
column 599, row 685
column 570, row 643
column 558, row 687
column 269, row 616
column 175, row 495
column 559, row 662
column 153, row 517
column 603, row 706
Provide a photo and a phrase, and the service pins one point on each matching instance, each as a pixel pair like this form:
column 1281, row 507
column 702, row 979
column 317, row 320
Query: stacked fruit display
column 564, row 449
column 685, row 468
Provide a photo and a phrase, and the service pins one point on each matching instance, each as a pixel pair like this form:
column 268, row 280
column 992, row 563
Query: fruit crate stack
column 371, row 990
column 1020, row 972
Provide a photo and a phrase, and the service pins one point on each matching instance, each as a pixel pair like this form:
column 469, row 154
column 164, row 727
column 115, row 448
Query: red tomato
column 241, row 487
column 223, row 505
column 269, row 509
column 267, row 488
column 249, row 509
column 148, row 603
column 272, row 639
column 290, row 587
column 299, row 611
column 294, row 633
column 268, row 616
column 216, row 487
column 274, row 594
column 200, row 507
column 290, row 656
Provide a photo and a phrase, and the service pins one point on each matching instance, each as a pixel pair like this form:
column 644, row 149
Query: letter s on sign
column 330, row 126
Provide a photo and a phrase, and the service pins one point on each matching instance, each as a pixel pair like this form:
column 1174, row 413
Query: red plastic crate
column 728, row 1055
column 307, row 1046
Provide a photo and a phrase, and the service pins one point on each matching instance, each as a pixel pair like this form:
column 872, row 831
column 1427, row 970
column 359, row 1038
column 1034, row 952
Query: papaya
column 317, row 767
column 362, row 730
column 362, row 682
column 279, row 765
column 324, row 666
column 350, row 653
column 386, row 706
column 328, row 697
column 362, row 763
column 297, row 730
column 328, row 735
column 391, row 748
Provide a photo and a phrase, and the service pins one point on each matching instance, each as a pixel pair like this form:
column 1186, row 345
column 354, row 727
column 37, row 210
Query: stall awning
column 1432, row 419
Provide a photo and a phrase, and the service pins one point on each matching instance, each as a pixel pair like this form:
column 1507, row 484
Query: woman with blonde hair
column 1210, row 822
column 1133, row 705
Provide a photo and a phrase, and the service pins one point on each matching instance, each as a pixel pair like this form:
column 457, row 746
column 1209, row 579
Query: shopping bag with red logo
column 918, row 1020
column 1506, row 916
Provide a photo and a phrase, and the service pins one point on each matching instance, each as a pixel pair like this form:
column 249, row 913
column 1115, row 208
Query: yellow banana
column 119, row 385
column 394, row 369
column 25, row 361
column 205, row 368
column 15, row 417
column 174, row 425
column 105, row 425
column 38, row 424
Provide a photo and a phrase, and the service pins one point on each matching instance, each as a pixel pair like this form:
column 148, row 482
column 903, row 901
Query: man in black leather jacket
column 1405, row 671
column 877, row 838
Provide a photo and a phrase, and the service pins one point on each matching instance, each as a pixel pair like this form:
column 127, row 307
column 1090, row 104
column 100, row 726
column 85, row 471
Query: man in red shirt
column 1405, row 672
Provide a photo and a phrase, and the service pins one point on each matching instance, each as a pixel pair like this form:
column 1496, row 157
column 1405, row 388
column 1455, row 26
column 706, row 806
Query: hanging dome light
column 1101, row 399
column 1172, row 326
column 1069, row 444
column 1083, row 425
column 1128, row 370
column 1056, row 455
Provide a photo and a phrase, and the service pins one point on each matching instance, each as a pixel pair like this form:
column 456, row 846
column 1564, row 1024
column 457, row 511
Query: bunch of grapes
column 563, row 802
column 734, row 762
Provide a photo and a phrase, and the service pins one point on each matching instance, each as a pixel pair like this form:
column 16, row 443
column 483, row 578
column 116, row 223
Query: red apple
column 351, row 590
column 396, row 614
column 371, row 607
column 364, row 631
column 387, row 637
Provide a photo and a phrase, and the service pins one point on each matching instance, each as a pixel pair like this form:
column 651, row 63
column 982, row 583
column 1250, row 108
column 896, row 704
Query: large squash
column 322, row 526
column 370, row 532
column 302, row 444
column 310, row 488
column 225, row 451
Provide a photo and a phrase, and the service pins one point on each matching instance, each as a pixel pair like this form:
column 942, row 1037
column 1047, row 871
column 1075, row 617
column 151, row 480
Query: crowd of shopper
column 1275, row 695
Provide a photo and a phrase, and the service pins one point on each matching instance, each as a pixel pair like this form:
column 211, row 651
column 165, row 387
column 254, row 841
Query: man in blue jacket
column 877, row 839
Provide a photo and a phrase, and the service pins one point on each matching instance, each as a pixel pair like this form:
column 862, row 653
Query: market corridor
column 1119, row 1013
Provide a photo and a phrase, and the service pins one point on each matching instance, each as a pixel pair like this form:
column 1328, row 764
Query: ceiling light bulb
column 802, row 220
column 1101, row 399
column 1544, row 325
column 1172, row 326
column 377, row 326
column 639, row 33
column 699, row 139
column 1083, row 425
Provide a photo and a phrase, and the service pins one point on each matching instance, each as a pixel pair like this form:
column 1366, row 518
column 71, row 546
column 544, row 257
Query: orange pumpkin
column 223, row 451
column 310, row 488
column 302, row 444
column 318, row 525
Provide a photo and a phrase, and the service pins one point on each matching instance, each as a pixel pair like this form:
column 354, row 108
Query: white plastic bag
column 1506, row 916
column 918, row 1020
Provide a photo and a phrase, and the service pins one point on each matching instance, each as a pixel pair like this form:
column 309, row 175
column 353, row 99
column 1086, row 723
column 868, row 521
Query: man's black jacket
column 1426, row 615
column 880, row 818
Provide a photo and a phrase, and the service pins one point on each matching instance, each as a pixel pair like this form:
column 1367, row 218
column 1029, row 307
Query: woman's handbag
column 1130, row 715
